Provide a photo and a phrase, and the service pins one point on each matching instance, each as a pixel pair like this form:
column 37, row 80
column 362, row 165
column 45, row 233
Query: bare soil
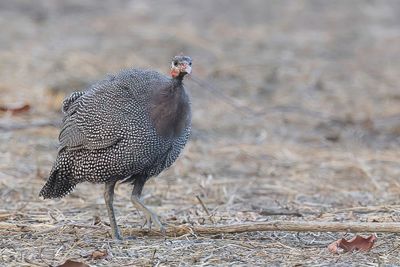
column 311, row 126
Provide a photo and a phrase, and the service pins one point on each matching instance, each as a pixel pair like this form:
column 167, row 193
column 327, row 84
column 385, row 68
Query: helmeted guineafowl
column 127, row 127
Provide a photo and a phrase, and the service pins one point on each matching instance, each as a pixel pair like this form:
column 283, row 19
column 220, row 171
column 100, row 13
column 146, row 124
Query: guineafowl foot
column 149, row 216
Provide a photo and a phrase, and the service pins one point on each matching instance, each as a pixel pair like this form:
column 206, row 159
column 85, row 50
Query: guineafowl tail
column 58, row 185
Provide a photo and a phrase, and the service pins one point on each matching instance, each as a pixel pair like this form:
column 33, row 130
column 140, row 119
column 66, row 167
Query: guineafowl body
column 127, row 127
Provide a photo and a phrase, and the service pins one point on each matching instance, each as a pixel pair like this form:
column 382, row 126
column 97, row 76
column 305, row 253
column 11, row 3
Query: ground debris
column 309, row 133
column 15, row 109
column 71, row 263
column 99, row 254
column 354, row 244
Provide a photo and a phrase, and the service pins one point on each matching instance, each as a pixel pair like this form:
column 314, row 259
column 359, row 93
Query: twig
column 50, row 230
column 268, row 212
column 42, row 228
column 32, row 263
column 205, row 208
column 153, row 255
column 271, row 212
column 287, row 226
column 370, row 209
column 4, row 216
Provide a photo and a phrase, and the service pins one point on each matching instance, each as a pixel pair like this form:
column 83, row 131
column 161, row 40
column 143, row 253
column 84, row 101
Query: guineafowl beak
column 185, row 68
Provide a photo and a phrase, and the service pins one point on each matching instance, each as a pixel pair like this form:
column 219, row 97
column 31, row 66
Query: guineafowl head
column 180, row 66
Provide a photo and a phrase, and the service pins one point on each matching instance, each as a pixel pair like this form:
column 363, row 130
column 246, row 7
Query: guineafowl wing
column 69, row 101
column 93, row 120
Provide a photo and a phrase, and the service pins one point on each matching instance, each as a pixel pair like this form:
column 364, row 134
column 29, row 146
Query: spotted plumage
column 127, row 127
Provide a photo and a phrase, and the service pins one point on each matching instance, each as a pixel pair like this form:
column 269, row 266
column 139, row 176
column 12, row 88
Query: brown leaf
column 334, row 247
column 15, row 109
column 70, row 263
column 356, row 243
column 97, row 254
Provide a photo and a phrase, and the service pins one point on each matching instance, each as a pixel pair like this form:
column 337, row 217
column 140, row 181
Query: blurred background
column 309, row 117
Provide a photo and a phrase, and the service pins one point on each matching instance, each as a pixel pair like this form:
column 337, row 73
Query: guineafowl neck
column 170, row 110
column 177, row 81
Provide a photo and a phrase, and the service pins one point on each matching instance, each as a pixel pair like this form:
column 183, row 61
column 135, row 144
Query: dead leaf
column 15, row 109
column 70, row 263
column 356, row 243
column 99, row 254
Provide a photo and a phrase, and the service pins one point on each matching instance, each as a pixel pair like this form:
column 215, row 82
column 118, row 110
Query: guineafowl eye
column 176, row 63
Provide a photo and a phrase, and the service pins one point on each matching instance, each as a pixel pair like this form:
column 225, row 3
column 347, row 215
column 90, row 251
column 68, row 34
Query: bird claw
column 151, row 218
column 118, row 237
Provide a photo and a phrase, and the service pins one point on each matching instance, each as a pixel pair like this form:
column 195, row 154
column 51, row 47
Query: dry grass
column 321, row 142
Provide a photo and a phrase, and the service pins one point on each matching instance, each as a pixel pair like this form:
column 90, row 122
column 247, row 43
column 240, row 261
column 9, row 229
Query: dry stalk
column 205, row 208
column 287, row 226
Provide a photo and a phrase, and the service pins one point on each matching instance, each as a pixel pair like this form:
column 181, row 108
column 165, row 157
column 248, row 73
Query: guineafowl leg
column 150, row 217
column 109, row 199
